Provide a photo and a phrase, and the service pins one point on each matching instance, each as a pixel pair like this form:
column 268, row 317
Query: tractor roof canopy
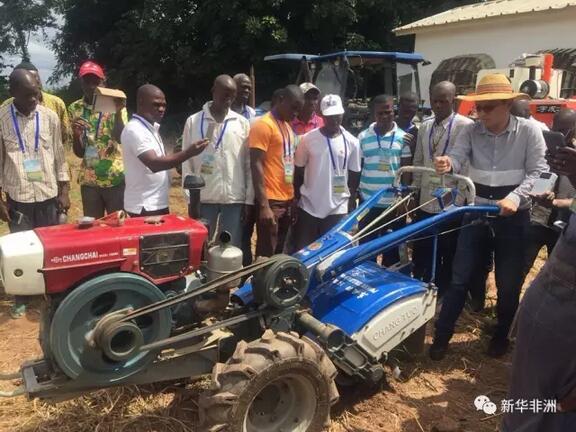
column 354, row 57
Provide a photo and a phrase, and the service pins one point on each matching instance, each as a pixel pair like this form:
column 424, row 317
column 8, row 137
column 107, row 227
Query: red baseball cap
column 89, row 67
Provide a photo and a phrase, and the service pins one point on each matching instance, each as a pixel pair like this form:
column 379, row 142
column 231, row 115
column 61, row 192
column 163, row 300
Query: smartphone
column 554, row 141
column 544, row 184
column 210, row 132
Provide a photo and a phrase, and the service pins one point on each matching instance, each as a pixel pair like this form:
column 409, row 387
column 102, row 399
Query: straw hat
column 493, row 87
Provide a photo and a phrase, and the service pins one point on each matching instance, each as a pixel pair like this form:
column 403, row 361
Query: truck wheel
column 279, row 383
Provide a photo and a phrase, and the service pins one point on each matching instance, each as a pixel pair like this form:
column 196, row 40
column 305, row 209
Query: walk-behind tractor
column 118, row 311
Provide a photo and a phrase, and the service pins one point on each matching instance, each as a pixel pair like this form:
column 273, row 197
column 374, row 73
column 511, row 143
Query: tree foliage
column 181, row 45
column 18, row 20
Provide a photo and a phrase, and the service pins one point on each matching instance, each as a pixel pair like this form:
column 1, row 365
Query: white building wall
column 503, row 38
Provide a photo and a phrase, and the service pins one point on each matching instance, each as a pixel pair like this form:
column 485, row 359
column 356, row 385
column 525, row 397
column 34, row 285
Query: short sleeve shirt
column 144, row 189
column 320, row 169
column 102, row 163
column 277, row 140
column 382, row 156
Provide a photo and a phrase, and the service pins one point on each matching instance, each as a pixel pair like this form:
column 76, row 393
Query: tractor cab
column 357, row 76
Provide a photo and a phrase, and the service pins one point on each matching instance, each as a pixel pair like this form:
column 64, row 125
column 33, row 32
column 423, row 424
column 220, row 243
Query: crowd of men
column 295, row 172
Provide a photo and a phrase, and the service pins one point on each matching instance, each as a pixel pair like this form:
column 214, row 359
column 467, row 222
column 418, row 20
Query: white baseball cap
column 307, row 86
column 331, row 105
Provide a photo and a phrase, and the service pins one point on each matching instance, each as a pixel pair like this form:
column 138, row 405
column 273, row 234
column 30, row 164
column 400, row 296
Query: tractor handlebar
column 471, row 189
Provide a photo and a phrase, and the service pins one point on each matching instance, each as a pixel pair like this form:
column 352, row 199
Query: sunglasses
column 488, row 107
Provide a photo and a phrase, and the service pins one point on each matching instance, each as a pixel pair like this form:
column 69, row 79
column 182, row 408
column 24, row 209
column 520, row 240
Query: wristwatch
column 573, row 205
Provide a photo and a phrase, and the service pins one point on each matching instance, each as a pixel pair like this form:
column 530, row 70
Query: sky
column 41, row 55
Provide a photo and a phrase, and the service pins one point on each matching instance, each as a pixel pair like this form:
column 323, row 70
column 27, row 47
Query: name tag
column 384, row 164
column 208, row 164
column 339, row 185
column 33, row 170
column 289, row 169
column 91, row 156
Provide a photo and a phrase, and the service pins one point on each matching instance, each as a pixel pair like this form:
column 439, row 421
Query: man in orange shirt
column 272, row 162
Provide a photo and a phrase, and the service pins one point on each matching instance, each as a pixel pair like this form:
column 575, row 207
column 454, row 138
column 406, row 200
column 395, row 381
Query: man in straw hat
column 505, row 155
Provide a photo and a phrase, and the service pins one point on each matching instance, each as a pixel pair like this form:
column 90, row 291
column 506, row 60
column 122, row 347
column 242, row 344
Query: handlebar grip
column 415, row 169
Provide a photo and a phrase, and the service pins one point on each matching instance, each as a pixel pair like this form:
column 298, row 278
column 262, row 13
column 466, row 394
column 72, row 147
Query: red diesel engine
column 55, row 259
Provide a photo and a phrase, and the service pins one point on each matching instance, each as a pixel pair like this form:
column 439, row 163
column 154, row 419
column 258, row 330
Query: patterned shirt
column 102, row 163
column 49, row 160
column 57, row 105
column 382, row 156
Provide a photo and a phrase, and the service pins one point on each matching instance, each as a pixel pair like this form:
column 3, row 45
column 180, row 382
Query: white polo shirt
column 313, row 153
column 144, row 188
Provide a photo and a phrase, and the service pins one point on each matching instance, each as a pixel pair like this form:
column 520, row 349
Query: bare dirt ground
column 426, row 397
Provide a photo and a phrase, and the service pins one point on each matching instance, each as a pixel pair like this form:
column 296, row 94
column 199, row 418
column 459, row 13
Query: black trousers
column 507, row 237
column 27, row 216
column 145, row 212
column 539, row 236
column 391, row 256
column 96, row 201
column 309, row 228
column 422, row 253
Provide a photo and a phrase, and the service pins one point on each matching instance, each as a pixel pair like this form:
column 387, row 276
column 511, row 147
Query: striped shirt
column 13, row 179
column 381, row 161
column 504, row 165
column 436, row 139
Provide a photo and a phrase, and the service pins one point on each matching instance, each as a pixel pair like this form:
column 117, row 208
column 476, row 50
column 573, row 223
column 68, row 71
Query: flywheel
column 72, row 339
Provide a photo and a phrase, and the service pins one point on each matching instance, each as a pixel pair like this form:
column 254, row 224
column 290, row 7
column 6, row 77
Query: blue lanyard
column 378, row 139
column 19, row 135
column 153, row 133
column 287, row 149
column 219, row 141
column 87, row 118
column 245, row 113
column 433, row 150
column 345, row 152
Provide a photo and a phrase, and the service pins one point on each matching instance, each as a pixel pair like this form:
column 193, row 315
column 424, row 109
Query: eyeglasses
column 487, row 108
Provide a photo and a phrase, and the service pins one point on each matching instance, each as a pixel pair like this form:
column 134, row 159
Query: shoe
column 498, row 347
column 438, row 349
column 17, row 311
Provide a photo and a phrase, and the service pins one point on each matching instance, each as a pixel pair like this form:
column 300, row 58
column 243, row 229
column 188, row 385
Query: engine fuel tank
column 161, row 249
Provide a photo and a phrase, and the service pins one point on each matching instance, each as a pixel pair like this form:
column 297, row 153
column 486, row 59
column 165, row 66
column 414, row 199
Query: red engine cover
column 72, row 255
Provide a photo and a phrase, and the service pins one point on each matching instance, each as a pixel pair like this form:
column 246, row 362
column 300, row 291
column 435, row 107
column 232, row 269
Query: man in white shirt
column 521, row 108
column 436, row 137
column 327, row 173
column 146, row 163
column 225, row 162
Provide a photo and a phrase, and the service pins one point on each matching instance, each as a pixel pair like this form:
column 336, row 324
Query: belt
column 493, row 192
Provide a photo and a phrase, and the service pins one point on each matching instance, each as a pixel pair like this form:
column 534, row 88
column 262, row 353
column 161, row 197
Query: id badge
column 91, row 156
column 384, row 164
column 338, row 185
column 289, row 170
column 33, row 170
column 208, row 163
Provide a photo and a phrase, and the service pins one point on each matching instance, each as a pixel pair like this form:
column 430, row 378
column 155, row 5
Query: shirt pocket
column 45, row 141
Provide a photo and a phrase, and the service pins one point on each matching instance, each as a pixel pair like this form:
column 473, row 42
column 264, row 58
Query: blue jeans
column 230, row 216
column 507, row 236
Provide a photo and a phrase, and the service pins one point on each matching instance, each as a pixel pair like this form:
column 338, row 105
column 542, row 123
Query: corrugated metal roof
column 482, row 10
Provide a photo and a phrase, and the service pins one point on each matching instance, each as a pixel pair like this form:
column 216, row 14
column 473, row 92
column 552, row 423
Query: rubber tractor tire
column 280, row 383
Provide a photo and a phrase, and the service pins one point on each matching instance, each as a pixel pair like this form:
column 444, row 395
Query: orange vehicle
column 535, row 76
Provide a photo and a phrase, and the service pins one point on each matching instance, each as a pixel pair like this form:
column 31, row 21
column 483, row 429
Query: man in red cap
column 96, row 138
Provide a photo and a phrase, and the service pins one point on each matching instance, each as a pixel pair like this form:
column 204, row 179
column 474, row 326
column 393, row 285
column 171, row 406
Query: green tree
column 181, row 45
column 18, row 20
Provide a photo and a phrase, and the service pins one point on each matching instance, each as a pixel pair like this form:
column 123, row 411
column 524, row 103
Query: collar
column 444, row 123
column 155, row 126
column 229, row 115
column 512, row 126
column 29, row 116
column 390, row 132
